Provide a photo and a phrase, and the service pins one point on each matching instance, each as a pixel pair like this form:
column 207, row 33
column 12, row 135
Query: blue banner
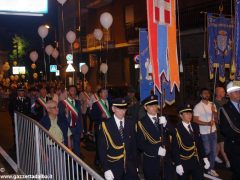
column 237, row 40
column 219, row 44
column 146, row 81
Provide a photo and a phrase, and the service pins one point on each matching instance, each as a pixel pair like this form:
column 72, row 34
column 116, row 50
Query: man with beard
column 230, row 127
column 71, row 108
column 205, row 115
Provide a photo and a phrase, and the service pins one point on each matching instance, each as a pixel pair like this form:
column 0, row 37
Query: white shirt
column 117, row 120
column 151, row 117
column 186, row 125
column 204, row 113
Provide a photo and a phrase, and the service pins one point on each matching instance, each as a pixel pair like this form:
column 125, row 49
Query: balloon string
column 63, row 46
column 44, row 59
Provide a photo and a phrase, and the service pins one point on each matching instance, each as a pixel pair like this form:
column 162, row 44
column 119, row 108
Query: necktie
column 73, row 102
column 121, row 129
column 105, row 102
column 155, row 122
column 190, row 130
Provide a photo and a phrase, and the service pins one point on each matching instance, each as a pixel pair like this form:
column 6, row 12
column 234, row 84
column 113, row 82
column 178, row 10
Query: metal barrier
column 38, row 153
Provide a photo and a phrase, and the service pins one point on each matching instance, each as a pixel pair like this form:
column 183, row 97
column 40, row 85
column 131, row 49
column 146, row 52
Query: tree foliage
column 20, row 47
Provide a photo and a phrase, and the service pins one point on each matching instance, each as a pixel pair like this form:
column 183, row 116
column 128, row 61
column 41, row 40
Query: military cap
column 185, row 107
column 20, row 88
column 120, row 103
column 233, row 86
column 150, row 100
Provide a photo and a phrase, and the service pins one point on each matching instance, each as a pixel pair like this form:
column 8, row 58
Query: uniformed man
column 117, row 144
column 188, row 151
column 230, row 127
column 40, row 104
column 71, row 109
column 21, row 103
column 149, row 138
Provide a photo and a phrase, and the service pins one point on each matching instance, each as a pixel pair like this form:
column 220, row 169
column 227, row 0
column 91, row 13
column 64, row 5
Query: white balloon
column 104, row 68
column 33, row 56
column 55, row 54
column 84, row 69
column 71, row 36
column 98, row 34
column 42, row 31
column 62, row 1
column 106, row 20
column 49, row 49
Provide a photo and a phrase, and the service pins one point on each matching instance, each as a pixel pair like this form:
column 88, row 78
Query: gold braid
column 109, row 139
column 147, row 135
column 186, row 148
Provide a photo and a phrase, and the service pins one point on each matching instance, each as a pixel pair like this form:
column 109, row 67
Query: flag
column 146, row 81
column 153, row 43
column 219, row 44
column 162, row 11
column 172, row 50
column 237, row 40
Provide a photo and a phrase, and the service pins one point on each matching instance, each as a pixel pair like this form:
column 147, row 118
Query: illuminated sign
column 24, row 7
column 19, row 69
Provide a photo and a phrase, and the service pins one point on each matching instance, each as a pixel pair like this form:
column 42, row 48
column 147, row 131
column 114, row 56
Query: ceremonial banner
column 172, row 50
column 146, row 82
column 237, row 40
column 219, row 44
column 153, row 42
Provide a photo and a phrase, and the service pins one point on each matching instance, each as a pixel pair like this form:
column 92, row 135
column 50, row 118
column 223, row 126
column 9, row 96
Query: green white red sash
column 103, row 108
column 42, row 102
column 71, row 107
column 95, row 98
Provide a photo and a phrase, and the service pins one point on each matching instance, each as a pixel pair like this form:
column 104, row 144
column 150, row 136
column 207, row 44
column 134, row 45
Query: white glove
column 207, row 164
column 162, row 120
column 161, row 151
column 179, row 170
column 108, row 175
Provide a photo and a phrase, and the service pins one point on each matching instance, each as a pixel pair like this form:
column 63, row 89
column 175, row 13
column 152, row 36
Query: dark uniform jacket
column 40, row 110
column 231, row 132
column 62, row 123
column 22, row 106
column 148, row 141
column 187, row 150
column 116, row 154
column 225, row 128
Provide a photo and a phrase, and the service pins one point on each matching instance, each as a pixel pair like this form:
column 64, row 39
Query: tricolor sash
column 95, row 98
column 71, row 107
column 42, row 102
column 102, row 106
column 73, row 112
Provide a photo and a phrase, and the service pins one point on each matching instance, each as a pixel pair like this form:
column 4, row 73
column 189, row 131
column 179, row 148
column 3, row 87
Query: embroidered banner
column 219, row 44
column 237, row 40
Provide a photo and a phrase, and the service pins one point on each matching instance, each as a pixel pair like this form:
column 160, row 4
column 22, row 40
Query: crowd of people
column 132, row 135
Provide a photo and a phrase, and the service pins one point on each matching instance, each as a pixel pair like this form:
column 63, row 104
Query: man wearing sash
column 100, row 112
column 230, row 127
column 150, row 137
column 40, row 104
column 71, row 108
column 117, row 144
column 85, row 98
column 188, row 152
